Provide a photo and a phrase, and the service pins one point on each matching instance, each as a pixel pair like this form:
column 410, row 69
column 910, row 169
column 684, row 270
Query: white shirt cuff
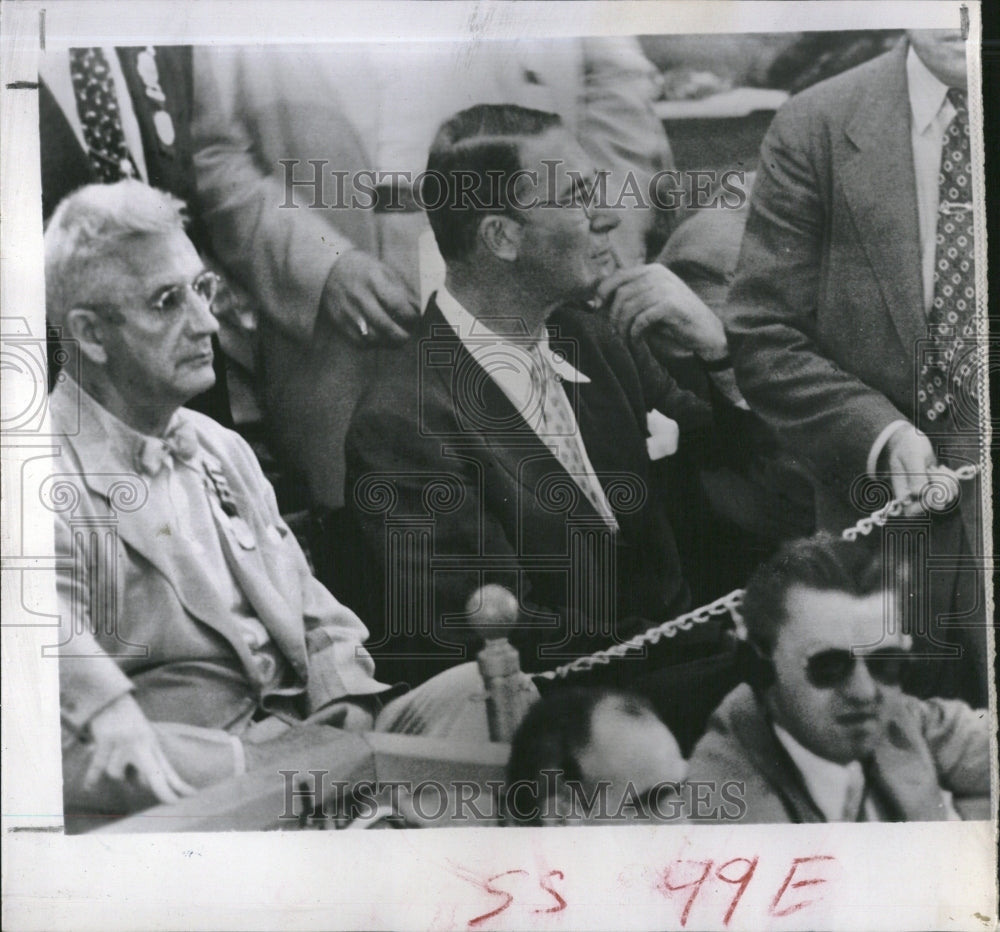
column 879, row 445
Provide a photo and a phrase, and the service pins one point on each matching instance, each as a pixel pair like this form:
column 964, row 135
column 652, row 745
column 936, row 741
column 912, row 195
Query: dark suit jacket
column 453, row 489
column 928, row 747
column 65, row 166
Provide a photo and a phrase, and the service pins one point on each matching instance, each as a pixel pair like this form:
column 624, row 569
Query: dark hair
column 550, row 738
column 480, row 145
column 821, row 562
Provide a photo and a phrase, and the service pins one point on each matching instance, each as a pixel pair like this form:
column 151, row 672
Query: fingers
column 914, row 471
column 368, row 302
column 368, row 321
column 98, row 765
column 632, row 300
column 140, row 762
column 615, row 280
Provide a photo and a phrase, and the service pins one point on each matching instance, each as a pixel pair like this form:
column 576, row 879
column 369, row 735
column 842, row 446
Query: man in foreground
column 512, row 441
column 824, row 733
column 192, row 630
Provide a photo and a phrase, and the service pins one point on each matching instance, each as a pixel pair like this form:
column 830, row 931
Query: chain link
column 729, row 604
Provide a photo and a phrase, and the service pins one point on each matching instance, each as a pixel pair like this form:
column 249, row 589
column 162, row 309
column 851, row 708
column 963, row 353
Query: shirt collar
column 117, row 443
column 828, row 783
column 927, row 93
column 473, row 332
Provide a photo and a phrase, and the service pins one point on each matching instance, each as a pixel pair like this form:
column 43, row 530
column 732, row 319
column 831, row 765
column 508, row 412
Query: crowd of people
column 451, row 319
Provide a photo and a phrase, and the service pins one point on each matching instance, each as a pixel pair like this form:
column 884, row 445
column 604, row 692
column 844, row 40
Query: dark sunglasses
column 831, row 668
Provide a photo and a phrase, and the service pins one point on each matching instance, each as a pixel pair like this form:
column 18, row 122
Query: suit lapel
column 282, row 620
column 143, row 522
column 482, row 406
column 880, row 188
column 65, row 166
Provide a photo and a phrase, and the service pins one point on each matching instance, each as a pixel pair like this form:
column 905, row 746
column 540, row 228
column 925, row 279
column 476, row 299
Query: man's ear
column 501, row 236
column 88, row 330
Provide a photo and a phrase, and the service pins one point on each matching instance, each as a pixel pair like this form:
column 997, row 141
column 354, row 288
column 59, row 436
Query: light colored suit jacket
column 256, row 106
column 928, row 747
column 139, row 613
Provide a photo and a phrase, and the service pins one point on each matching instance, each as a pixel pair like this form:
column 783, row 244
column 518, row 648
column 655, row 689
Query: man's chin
column 199, row 381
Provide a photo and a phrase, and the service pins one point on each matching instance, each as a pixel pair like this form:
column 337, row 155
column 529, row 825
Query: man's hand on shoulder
column 368, row 302
column 126, row 749
column 651, row 302
column 911, row 464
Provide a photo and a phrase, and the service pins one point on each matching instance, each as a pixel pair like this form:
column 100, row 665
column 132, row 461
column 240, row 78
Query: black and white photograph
column 450, row 417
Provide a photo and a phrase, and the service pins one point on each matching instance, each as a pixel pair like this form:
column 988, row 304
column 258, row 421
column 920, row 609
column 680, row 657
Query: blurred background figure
column 111, row 113
column 591, row 756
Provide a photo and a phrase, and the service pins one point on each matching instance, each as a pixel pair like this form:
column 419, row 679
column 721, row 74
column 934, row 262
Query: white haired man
column 200, row 632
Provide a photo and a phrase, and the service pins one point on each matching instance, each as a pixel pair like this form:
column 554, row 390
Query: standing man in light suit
column 853, row 317
column 220, row 637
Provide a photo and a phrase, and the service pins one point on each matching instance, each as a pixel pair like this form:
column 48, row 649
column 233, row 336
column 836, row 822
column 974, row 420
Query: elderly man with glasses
column 192, row 629
column 823, row 732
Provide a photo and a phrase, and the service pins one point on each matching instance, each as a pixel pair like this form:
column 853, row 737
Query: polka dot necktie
column 559, row 429
column 950, row 369
column 97, row 106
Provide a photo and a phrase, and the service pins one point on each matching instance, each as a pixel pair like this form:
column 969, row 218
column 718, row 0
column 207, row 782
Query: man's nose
column 603, row 219
column 200, row 317
column 861, row 686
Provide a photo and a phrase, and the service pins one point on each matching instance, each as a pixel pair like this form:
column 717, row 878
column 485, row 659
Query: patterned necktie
column 559, row 428
column 952, row 321
column 97, row 105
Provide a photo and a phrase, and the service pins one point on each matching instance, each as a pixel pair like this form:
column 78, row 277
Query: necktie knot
column 179, row 443
column 959, row 99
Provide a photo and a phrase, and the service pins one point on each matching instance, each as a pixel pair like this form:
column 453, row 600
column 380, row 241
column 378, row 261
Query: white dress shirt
column 837, row 789
column 53, row 66
column 509, row 365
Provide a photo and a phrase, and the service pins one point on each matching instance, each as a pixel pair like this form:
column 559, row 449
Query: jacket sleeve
column 815, row 406
column 283, row 255
column 339, row 664
column 959, row 741
column 90, row 680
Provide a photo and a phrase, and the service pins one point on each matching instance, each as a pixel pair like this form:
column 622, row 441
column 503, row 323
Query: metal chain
column 729, row 604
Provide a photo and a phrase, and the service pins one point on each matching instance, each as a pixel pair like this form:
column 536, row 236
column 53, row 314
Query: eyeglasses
column 173, row 299
column 832, row 668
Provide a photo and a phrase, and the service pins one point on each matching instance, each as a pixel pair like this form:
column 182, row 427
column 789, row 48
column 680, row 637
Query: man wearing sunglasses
column 191, row 628
column 823, row 731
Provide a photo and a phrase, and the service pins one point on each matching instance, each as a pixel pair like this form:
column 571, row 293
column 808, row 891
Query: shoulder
column 725, row 738
column 834, row 102
column 590, row 336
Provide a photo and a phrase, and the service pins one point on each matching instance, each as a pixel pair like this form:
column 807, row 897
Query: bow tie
column 179, row 443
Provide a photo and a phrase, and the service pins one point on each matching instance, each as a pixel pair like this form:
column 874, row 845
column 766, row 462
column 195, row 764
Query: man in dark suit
column 112, row 113
column 512, row 441
column 853, row 324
